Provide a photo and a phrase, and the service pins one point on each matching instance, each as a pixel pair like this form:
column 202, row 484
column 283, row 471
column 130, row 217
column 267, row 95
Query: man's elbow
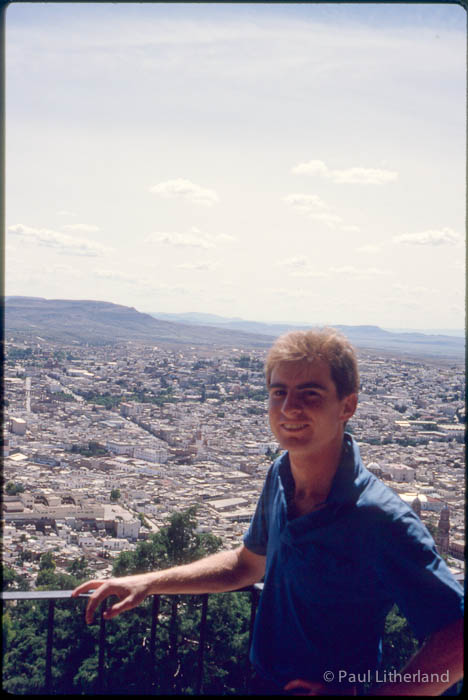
column 251, row 566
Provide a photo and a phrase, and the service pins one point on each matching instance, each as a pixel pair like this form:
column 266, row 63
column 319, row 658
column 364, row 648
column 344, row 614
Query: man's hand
column 302, row 687
column 130, row 590
column 223, row 571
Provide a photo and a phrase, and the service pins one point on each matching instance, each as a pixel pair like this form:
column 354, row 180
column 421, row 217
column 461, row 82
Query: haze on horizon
column 300, row 163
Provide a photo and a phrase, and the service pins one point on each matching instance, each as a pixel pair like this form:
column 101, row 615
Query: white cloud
column 359, row 271
column 306, row 202
column 406, row 290
column 312, row 167
column 193, row 239
column 66, row 270
column 355, row 175
column 288, row 293
column 198, row 266
column 405, row 302
column 445, row 236
column 116, row 275
column 308, row 272
column 65, row 212
column 363, row 176
column 62, row 242
column 146, row 284
column 293, row 262
column 300, row 267
column 328, row 218
column 318, row 210
column 189, row 240
column 184, row 189
column 86, row 228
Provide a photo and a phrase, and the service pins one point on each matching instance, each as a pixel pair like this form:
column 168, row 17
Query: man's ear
column 350, row 403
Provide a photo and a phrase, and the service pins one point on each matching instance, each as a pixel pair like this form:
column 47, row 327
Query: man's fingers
column 85, row 587
column 299, row 683
column 126, row 593
column 125, row 604
column 102, row 592
column 310, row 687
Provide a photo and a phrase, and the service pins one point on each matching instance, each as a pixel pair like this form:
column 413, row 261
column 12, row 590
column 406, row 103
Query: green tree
column 399, row 644
column 12, row 488
column 142, row 519
column 227, row 621
column 129, row 665
column 46, row 574
column 115, row 494
column 244, row 361
column 13, row 581
column 79, row 568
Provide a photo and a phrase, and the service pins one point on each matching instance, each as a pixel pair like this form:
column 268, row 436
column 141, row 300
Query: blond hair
column 324, row 344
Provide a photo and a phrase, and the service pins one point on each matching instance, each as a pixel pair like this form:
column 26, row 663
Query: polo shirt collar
column 346, row 483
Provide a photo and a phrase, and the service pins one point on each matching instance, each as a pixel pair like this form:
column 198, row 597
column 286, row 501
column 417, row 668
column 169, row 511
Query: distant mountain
column 372, row 337
column 100, row 322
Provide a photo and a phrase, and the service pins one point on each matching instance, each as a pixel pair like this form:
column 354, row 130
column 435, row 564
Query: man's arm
column 223, row 571
column 434, row 668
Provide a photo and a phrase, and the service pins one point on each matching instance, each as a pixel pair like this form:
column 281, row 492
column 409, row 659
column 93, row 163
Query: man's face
column 306, row 415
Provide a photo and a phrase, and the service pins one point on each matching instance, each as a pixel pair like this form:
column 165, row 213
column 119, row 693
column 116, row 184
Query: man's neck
column 313, row 474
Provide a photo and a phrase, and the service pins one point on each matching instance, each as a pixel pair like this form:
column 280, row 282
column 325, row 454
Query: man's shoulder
column 391, row 522
column 379, row 500
column 278, row 467
column 279, row 464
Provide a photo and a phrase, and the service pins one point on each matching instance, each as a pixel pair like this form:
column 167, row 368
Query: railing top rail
column 35, row 595
column 56, row 595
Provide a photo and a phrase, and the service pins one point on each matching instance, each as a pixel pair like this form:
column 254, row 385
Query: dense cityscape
column 102, row 444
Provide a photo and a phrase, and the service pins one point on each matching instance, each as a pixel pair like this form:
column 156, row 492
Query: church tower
column 443, row 530
column 416, row 506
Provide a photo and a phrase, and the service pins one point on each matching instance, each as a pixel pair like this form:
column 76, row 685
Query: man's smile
column 294, row 426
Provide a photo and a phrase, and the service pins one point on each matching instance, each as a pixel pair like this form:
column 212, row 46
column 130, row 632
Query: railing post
column 201, row 643
column 253, row 611
column 102, row 643
column 254, row 595
column 48, row 659
column 152, row 648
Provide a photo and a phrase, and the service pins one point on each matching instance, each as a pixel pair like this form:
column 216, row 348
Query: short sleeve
column 256, row 537
column 417, row 578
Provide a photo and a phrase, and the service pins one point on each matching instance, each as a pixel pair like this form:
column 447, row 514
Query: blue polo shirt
column 333, row 575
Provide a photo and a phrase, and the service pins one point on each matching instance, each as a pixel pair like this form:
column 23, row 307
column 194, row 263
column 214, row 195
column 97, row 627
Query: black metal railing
column 53, row 596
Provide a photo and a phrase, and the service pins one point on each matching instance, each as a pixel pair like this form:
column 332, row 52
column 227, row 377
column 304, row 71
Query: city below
column 103, row 442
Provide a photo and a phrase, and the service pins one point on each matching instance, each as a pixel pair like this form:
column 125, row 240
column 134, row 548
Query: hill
column 369, row 337
column 100, row 322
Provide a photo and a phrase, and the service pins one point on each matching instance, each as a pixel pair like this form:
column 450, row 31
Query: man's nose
column 291, row 403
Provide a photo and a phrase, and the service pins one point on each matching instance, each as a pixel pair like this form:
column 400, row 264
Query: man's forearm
column 223, row 571
column 434, row 668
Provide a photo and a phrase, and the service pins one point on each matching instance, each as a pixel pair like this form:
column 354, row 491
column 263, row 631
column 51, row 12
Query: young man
column 336, row 546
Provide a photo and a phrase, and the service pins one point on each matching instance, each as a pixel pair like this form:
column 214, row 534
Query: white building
column 18, row 426
column 127, row 528
column 86, row 540
column 400, row 472
column 120, row 448
column 157, row 455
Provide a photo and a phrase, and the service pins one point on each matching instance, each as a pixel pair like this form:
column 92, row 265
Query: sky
column 299, row 163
